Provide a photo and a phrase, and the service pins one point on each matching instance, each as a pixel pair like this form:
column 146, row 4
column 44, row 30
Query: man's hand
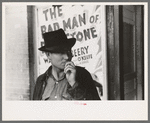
column 70, row 71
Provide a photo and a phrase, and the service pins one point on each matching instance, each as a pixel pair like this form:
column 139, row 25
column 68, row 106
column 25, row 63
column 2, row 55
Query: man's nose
column 67, row 56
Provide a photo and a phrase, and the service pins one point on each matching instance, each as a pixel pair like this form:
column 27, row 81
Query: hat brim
column 69, row 43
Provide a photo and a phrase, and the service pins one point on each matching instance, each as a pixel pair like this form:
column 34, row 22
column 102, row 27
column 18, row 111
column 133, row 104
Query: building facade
column 110, row 38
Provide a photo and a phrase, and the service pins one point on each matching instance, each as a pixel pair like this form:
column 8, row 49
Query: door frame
column 114, row 27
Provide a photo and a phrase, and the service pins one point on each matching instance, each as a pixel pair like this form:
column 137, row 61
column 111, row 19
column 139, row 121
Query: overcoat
column 84, row 89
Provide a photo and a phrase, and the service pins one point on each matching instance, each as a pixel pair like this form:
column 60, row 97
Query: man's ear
column 48, row 55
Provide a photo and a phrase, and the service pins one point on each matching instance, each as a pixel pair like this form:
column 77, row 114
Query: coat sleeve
column 84, row 88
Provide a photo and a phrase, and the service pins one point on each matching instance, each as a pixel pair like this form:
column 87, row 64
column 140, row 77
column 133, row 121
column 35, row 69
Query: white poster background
column 86, row 23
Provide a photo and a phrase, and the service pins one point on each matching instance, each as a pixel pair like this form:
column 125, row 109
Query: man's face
column 59, row 60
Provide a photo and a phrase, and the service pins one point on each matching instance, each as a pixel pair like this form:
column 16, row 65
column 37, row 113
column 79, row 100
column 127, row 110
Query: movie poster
column 83, row 22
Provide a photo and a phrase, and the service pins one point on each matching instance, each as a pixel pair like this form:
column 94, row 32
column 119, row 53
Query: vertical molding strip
column 114, row 53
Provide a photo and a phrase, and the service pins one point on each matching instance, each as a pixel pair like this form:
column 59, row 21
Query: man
column 63, row 80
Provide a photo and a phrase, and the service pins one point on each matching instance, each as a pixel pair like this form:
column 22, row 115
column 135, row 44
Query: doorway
column 132, row 52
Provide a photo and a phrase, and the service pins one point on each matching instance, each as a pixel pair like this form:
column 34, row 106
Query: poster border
column 58, row 1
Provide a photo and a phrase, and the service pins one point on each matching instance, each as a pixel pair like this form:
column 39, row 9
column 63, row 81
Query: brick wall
column 16, row 53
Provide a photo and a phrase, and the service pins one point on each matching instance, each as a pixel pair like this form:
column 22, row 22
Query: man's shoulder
column 82, row 70
column 43, row 75
column 40, row 78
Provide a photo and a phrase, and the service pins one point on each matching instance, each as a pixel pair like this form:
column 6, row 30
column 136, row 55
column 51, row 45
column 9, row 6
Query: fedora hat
column 57, row 41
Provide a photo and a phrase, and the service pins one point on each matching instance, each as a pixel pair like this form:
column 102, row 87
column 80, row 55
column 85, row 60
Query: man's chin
column 62, row 67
